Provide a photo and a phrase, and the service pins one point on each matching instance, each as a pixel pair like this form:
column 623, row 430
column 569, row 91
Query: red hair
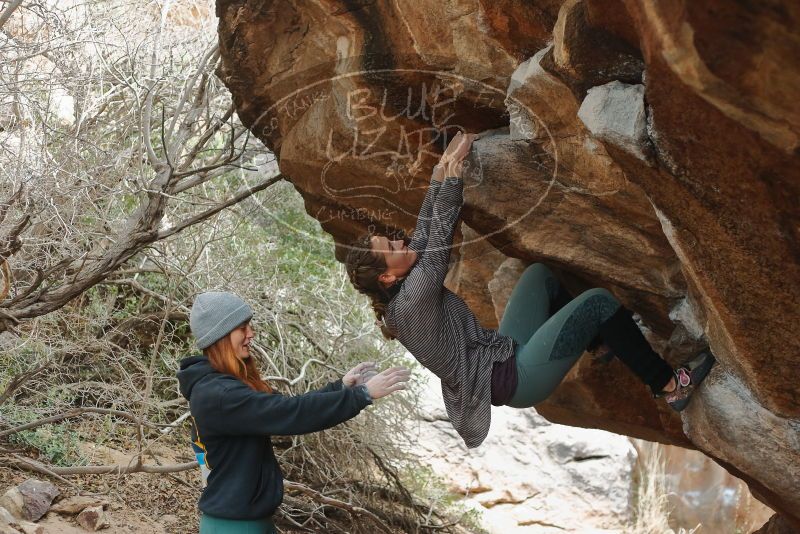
column 223, row 358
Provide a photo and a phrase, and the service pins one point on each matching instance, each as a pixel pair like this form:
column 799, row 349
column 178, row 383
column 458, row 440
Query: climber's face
column 241, row 337
column 399, row 258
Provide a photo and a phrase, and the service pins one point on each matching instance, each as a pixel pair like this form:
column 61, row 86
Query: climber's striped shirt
column 438, row 328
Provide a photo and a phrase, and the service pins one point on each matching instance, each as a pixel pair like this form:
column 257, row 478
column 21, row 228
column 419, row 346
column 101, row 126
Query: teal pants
column 548, row 346
column 217, row 525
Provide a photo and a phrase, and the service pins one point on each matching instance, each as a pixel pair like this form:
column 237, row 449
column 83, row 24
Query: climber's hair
column 223, row 358
column 364, row 265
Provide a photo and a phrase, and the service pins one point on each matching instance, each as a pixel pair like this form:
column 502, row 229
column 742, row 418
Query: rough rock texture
column 92, row 518
column 692, row 223
column 12, row 525
column 6, row 517
column 29, row 500
column 614, row 113
column 12, row 502
column 777, row 525
column 32, row 528
column 37, row 496
column 76, row 504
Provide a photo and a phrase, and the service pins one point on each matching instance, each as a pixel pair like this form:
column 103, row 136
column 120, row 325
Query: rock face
column 647, row 147
column 614, row 113
column 776, row 525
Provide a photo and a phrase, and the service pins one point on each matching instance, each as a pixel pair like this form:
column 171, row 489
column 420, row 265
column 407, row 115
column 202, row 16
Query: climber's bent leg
column 623, row 336
column 530, row 303
column 551, row 352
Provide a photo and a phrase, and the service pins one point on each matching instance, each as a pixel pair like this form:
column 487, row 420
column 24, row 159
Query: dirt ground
column 140, row 503
column 143, row 503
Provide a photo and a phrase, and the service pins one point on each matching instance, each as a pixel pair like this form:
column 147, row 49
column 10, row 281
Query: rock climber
column 542, row 334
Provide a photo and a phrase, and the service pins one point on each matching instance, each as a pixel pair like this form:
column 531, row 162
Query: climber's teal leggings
column 216, row 525
column 549, row 346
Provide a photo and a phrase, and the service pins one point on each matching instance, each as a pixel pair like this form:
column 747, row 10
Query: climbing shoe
column 687, row 377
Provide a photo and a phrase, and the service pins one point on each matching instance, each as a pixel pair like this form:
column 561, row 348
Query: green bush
column 57, row 443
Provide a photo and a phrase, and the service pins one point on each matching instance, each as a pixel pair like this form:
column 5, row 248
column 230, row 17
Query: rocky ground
column 137, row 503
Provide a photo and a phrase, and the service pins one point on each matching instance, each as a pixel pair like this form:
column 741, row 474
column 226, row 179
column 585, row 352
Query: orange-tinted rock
column 692, row 221
column 522, row 28
column 585, row 55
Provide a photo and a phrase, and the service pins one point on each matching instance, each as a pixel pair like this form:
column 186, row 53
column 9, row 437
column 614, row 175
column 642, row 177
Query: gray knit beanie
column 214, row 314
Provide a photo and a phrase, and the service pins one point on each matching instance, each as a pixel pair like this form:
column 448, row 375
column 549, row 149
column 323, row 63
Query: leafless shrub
column 116, row 135
column 127, row 185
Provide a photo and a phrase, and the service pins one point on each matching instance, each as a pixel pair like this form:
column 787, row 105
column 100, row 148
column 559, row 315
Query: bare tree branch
column 38, row 467
column 32, row 465
column 18, row 380
column 319, row 497
column 8, row 11
column 207, row 135
column 75, row 412
column 216, row 209
column 299, row 377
